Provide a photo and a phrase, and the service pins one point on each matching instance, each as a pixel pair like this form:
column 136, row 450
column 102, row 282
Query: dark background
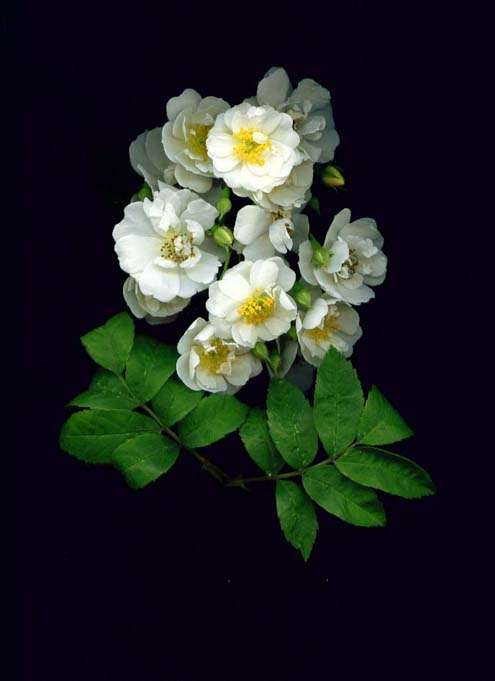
column 186, row 580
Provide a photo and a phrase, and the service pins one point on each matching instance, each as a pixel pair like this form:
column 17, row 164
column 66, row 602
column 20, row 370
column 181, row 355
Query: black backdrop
column 186, row 579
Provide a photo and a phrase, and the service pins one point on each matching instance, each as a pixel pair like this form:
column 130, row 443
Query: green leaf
column 297, row 516
column 144, row 458
column 380, row 423
column 151, row 363
column 259, row 445
column 212, row 419
column 387, row 471
column 106, row 391
column 291, row 424
column 343, row 497
column 110, row 345
column 174, row 401
column 338, row 402
column 93, row 435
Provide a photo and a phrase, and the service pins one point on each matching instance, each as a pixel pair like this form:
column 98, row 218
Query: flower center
column 196, row 139
column 257, row 308
column 214, row 356
column 298, row 116
column 350, row 266
column 177, row 247
column 251, row 145
column 330, row 326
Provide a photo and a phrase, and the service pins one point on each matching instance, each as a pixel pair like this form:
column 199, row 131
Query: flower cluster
column 276, row 294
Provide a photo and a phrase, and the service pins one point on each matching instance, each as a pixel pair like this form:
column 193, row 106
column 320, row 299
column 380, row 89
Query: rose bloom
column 354, row 259
column 251, row 302
column 162, row 244
column 310, row 109
column 213, row 363
column 328, row 322
column 148, row 307
column 253, row 148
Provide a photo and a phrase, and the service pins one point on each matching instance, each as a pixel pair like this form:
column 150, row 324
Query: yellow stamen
column 214, row 356
column 177, row 246
column 330, row 326
column 257, row 308
column 247, row 149
column 196, row 139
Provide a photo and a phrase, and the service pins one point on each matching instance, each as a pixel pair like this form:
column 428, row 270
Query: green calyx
column 292, row 333
column 145, row 192
column 303, row 298
column 261, row 351
column 321, row 256
column 314, row 203
column 275, row 361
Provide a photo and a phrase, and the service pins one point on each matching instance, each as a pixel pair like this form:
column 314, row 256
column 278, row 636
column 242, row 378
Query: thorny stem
column 235, row 482
column 208, row 465
column 214, row 470
column 224, row 477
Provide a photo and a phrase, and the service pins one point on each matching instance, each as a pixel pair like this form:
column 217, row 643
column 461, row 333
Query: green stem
column 227, row 261
column 208, row 465
column 235, row 482
column 217, row 472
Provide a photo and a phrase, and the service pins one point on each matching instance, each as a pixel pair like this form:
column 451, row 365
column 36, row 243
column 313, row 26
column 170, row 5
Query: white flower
column 190, row 119
column 308, row 106
column 355, row 260
column 253, row 148
column 293, row 193
column 328, row 322
column 262, row 234
column 251, row 302
column 213, row 363
column 149, row 308
column 162, row 244
column 148, row 158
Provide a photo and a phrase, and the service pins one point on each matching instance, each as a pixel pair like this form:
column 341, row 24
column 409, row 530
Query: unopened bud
column 321, row 256
column 223, row 236
column 275, row 361
column 261, row 351
column 224, row 205
column 332, row 177
column 145, row 192
column 303, row 298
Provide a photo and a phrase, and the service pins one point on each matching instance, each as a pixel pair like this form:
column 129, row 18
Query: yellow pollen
column 247, row 149
column 257, row 308
column 213, row 357
column 330, row 326
column 176, row 250
column 196, row 139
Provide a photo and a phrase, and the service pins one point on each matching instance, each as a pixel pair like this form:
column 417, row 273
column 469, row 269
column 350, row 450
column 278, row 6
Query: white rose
column 190, row 119
column 355, row 260
column 327, row 323
column 253, row 148
column 149, row 308
column 162, row 244
column 293, row 193
column 148, row 158
column 251, row 302
column 213, row 363
column 262, row 234
column 308, row 106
